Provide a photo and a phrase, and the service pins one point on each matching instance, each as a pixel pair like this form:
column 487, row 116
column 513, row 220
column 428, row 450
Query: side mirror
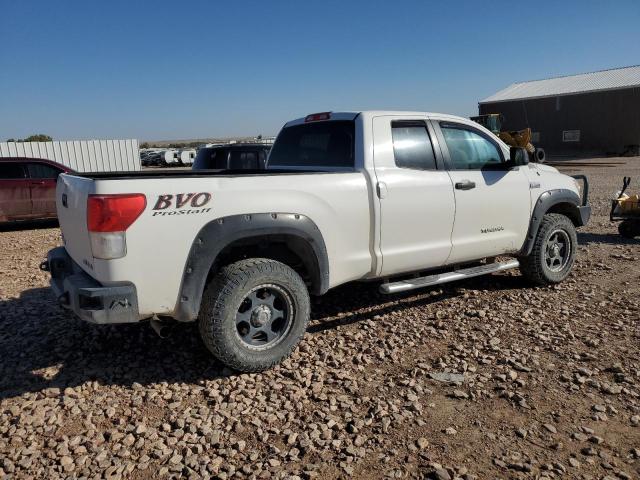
column 519, row 156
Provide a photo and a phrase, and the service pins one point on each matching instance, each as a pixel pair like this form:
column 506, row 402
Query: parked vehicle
column 151, row 157
column 408, row 199
column 233, row 156
column 27, row 188
column 626, row 210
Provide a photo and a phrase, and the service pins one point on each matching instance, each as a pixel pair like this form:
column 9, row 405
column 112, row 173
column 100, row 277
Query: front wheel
column 553, row 253
column 253, row 314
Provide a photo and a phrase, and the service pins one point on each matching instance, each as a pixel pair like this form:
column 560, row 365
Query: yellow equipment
column 626, row 208
column 628, row 205
column 516, row 138
column 520, row 138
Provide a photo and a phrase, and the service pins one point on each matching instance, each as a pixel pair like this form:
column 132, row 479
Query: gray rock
column 446, row 377
column 440, row 474
column 422, row 443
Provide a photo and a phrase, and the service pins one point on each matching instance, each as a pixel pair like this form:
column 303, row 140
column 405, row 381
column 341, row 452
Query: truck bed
column 159, row 241
column 162, row 173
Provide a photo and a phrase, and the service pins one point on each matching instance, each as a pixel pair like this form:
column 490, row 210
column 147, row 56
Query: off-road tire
column 534, row 266
column 629, row 228
column 222, row 299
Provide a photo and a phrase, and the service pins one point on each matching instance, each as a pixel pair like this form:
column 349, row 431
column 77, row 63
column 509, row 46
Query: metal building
column 80, row 155
column 596, row 112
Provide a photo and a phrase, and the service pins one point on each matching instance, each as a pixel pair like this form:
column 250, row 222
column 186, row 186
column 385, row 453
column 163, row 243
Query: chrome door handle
column 465, row 185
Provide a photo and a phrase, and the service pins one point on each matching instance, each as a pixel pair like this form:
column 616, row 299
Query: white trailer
column 187, row 156
column 170, row 157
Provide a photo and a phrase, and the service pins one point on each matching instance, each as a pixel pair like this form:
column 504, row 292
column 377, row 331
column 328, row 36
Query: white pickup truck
column 411, row 199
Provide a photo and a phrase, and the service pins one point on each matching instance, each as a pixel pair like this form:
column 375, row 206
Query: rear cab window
column 12, row 171
column 322, row 145
column 243, row 160
column 211, row 158
column 238, row 157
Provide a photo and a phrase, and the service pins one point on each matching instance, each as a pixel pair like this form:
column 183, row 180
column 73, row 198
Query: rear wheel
column 553, row 253
column 629, row 228
column 253, row 314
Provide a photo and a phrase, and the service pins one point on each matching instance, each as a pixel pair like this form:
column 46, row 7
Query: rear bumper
column 85, row 296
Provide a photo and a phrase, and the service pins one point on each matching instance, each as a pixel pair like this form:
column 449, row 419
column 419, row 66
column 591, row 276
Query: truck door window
column 11, row 171
column 412, row 146
column 469, row 150
column 317, row 144
column 41, row 170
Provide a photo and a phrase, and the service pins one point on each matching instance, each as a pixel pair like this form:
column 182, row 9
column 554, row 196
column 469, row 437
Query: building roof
column 614, row 79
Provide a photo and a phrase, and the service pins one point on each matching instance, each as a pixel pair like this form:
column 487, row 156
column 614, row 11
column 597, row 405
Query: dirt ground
column 548, row 379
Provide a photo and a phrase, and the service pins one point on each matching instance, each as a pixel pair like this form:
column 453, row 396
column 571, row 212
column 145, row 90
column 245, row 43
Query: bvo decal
column 181, row 203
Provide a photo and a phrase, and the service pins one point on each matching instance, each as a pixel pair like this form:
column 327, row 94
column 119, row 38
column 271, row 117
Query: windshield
column 320, row 144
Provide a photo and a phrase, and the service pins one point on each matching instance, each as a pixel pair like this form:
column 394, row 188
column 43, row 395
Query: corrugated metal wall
column 608, row 121
column 80, row 155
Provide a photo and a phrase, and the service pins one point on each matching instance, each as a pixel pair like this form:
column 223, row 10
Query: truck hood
column 543, row 168
column 551, row 178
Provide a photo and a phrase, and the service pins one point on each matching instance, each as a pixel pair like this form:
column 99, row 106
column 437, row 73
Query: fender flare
column 219, row 233
column 579, row 213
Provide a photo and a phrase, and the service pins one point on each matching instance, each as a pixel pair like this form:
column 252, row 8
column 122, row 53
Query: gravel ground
column 488, row 378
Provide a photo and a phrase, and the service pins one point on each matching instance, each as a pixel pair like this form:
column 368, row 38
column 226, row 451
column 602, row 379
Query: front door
column 15, row 194
column 415, row 194
column 492, row 199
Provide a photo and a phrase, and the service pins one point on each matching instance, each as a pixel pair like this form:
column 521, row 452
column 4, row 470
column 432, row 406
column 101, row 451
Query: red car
column 28, row 188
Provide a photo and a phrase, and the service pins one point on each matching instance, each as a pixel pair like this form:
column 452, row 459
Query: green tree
column 39, row 137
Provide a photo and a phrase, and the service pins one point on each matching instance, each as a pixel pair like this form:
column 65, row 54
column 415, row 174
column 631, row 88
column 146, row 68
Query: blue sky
column 193, row 69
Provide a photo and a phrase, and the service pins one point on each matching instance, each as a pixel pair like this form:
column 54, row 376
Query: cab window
column 43, row 171
column 468, row 149
column 211, row 158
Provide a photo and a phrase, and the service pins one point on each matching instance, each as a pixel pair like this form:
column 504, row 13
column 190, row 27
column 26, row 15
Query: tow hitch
column 64, row 300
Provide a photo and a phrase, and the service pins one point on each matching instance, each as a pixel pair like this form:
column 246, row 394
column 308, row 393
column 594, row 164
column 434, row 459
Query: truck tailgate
column 71, row 203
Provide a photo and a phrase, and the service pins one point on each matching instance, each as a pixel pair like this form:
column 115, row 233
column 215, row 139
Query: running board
column 437, row 279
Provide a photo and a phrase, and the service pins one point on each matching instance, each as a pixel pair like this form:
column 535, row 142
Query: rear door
column 492, row 199
column 42, row 181
column 15, row 193
column 415, row 193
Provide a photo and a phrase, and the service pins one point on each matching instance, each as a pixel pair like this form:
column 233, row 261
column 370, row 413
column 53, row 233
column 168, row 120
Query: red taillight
column 316, row 117
column 114, row 213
